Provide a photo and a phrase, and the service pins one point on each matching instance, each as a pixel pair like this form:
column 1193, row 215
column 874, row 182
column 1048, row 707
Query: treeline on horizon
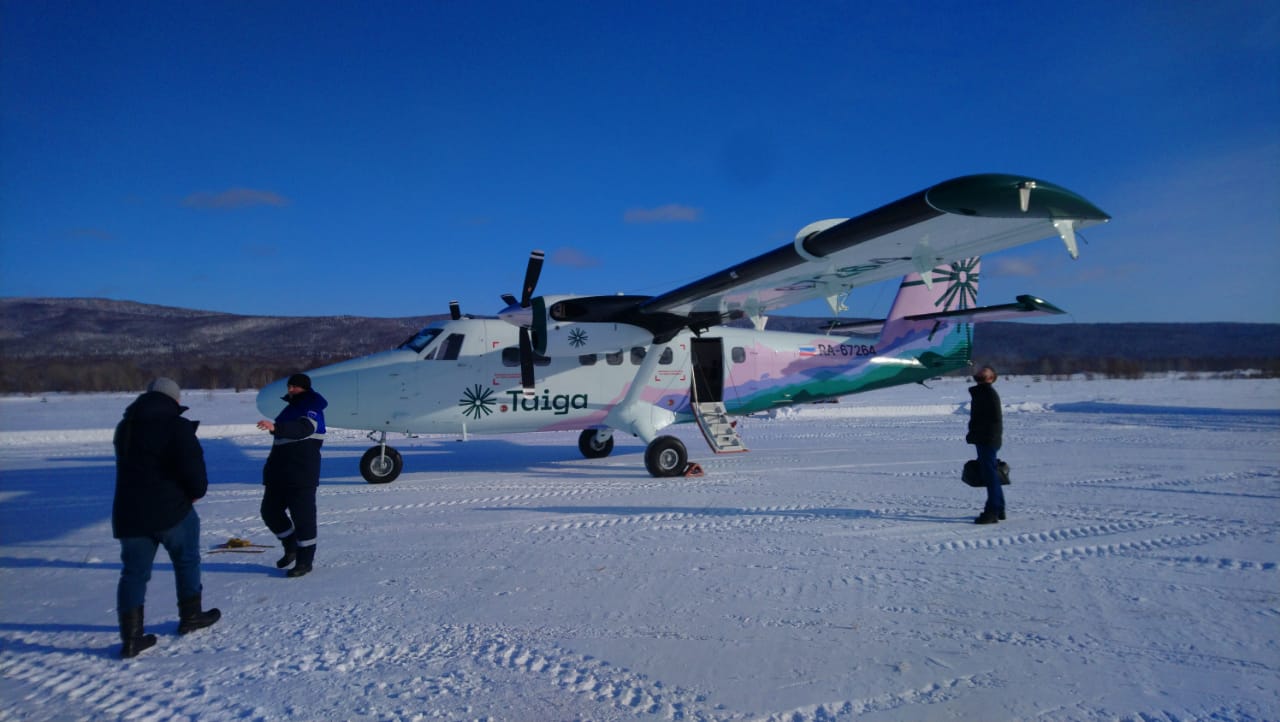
column 115, row 373
column 95, row 345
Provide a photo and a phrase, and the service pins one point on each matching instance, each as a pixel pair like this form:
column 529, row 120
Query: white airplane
column 637, row 364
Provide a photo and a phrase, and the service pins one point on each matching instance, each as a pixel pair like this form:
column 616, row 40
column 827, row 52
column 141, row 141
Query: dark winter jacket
column 986, row 422
column 159, row 467
column 294, row 460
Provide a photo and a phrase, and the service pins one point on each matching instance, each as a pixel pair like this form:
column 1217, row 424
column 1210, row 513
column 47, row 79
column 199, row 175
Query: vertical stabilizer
column 951, row 288
column 936, row 344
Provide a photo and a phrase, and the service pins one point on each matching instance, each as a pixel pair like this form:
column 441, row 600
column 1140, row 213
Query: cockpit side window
column 419, row 341
column 446, row 350
column 451, row 347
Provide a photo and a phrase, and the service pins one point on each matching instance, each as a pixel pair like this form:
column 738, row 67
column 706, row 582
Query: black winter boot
column 190, row 618
column 131, row 633
column 306, row 555
column 290, row 551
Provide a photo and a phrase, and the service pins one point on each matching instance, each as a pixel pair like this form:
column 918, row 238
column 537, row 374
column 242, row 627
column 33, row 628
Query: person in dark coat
column 160, row 473
column 292, row 474
column 986, row 431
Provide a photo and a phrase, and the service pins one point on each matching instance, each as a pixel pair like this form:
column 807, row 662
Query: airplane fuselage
column 466, row 378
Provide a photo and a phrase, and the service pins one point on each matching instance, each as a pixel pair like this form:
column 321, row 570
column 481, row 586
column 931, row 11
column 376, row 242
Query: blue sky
column 380, row 159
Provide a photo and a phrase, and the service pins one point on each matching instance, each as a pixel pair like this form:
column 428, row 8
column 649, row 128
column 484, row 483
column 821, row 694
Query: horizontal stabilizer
column 1026, row 305
column 864, row 327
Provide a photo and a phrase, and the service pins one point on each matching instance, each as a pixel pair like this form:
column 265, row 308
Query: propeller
column 455, row 310
column 526, row 363
column 523, row 320
column 531, row 274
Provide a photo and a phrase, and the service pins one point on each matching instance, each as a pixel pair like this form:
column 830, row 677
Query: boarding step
column 717, row 428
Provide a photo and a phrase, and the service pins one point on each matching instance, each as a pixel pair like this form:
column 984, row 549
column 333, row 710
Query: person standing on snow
column 986, row 429
column 292, row 474
column 160, row 473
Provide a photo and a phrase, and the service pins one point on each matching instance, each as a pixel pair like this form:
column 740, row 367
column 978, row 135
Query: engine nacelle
column 571, row 326
column 575, row 339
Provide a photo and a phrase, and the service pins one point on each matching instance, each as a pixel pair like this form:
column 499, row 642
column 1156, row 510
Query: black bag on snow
column 973, row 476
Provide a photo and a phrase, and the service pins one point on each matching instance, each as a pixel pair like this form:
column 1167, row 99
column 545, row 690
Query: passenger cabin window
column 739, row 355
column 587, row 359
column 511, row 358
column 666, row 357
column 419, row 341
column 637, row 355
column 613, row 359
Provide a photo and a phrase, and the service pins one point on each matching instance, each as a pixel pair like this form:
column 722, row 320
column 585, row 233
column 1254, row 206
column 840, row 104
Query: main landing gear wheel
column 381, row 465
column 591, row 446
column 666, row 456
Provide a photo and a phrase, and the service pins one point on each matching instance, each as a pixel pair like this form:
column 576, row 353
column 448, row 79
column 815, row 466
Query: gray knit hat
column 166, row 386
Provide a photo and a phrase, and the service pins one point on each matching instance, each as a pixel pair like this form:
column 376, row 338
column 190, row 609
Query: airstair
column 717, row 428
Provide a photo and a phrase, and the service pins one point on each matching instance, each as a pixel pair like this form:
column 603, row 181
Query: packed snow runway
column 832, row 573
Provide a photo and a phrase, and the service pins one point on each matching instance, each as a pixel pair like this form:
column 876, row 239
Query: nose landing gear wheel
column 591, row 447
column 381, row 465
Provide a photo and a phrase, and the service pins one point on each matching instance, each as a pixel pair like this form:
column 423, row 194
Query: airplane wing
column 960, row 218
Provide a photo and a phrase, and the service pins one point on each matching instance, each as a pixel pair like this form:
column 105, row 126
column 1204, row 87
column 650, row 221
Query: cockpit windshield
column 419, row 340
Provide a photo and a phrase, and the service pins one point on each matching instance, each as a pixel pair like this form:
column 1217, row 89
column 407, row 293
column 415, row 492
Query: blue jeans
column 139, row 552
column 990, row 474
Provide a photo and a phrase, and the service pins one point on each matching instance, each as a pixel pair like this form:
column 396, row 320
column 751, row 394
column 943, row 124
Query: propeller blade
column 526, row 363
column 455, row 311
column 531, row 278
column 539, row 325
column 509, row 299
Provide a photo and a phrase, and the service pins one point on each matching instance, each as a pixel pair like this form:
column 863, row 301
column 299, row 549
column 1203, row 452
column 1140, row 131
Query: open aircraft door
column 708, row 394
column 708, row 369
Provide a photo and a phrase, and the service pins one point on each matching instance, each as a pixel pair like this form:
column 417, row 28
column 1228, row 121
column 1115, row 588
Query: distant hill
column 78, row 344
column 85, row 344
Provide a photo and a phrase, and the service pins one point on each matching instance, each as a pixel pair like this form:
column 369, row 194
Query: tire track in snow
column 692, row 520
column 597, row 680
column 1225, row 564
column 1157, row 481
column 1130, row 548
column 932, row 693
column 1043, row 537
column 1225, row 713
column 103, row 686
column 452, row 660
column 444, row 505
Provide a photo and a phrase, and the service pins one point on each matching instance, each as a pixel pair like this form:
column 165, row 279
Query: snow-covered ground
column 831, row 573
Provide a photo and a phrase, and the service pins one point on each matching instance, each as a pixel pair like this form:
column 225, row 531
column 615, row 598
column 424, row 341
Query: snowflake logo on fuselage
column 961, row 278
column 476, row 401
column 577, row 338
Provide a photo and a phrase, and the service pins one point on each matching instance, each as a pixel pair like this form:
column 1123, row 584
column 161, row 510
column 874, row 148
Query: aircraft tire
column 590, row 449
column 666, row 456
column 379, row 469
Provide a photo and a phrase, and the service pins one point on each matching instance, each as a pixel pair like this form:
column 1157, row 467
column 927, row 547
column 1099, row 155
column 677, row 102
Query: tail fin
column 950, row 288
column 931, row 324
column 917, row 326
